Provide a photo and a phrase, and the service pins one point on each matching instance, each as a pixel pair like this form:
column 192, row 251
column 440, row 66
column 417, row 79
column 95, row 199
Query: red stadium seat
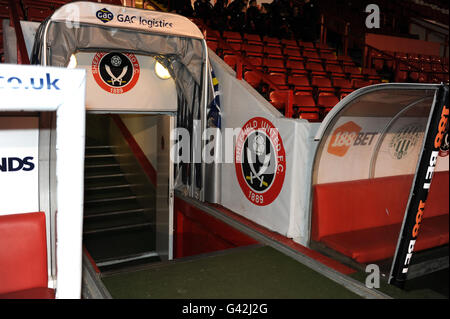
column 279, row 80
column 278, row 99
column 352, row 70
column 306, row 44
column 235, row 47
column 342, row 83
column 231, row 60
column 311, row 54
column 359, row 83
column 300, row 83
column 274, row 65
column 295, row 64
column 309, row 114
column 291, row 52
column 23, row 257
column 328, row 55
column 255, row 61
column 345, row 60
column 213, row 45
column 327, row 100
column 323, row 84
column 253, row 78
column 252, row 39
column 232, row 36
column 255, row 50
column 270, row 41
column 273, row 52
column 324, row 48
column 298, row 80
column 289, row 43
column 304, row 99
column 315, row 68
column 335, row 70
column 212, row 35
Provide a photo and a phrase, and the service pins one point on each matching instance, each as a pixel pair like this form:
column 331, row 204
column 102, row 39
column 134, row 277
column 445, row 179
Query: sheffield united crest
column 260, row 161
column 115, row 72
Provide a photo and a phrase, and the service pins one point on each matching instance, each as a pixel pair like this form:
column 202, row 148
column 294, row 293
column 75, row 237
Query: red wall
column 197, row 232
column 404, row 45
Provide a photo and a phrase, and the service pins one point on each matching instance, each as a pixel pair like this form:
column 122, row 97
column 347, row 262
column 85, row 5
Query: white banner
column 19, row 150
column 265, row 179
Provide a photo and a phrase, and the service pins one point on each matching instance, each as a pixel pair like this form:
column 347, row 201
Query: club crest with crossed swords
column 116, row 69
column 259, row 163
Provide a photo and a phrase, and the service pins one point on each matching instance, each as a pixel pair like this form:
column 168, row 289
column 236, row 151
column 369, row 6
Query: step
column 110, row 187
column 103, row 160
column 115, row 245
column 113, row 175
column 108, row 207
column 101, row 149
column 117, row 228
column 106, row 221
column 105, row 182
column 118, row 212
column 127, row 259
column 111, row 199
column 107, row 155
column 97, row 166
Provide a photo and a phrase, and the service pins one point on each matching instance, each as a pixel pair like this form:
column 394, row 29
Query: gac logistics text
column 151, row 23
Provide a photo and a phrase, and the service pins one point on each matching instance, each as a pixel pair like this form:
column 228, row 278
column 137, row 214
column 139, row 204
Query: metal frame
column 60, row 194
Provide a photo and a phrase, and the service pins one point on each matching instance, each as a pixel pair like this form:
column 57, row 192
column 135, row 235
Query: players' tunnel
column 143, row 80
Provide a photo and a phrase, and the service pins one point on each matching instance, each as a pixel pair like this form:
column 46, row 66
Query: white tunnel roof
column 124, row 17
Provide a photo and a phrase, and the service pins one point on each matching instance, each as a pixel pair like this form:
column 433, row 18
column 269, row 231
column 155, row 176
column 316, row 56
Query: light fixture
column 161, row 71
column 72, row 62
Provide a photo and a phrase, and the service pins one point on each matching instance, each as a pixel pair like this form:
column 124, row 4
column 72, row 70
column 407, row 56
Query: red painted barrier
column 196, row 232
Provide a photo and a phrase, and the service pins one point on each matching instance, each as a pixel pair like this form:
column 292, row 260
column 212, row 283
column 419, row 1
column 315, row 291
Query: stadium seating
column 304, row 67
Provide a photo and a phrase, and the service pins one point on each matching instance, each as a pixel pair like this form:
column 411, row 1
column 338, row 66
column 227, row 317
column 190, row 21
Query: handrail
column 396, row 60
column 22, row 54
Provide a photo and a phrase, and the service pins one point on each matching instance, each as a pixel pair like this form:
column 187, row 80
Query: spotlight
column 161, row 71
column 72, row 62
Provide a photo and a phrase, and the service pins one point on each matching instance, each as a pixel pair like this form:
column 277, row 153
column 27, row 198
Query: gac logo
column 104, row 15
column 343, row 137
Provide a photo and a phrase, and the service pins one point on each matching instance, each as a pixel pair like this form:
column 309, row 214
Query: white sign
column 125, row 17
column 114, row 79
column 19, row 184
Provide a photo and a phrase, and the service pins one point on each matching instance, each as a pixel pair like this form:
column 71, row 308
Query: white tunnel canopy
column 172, row 40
